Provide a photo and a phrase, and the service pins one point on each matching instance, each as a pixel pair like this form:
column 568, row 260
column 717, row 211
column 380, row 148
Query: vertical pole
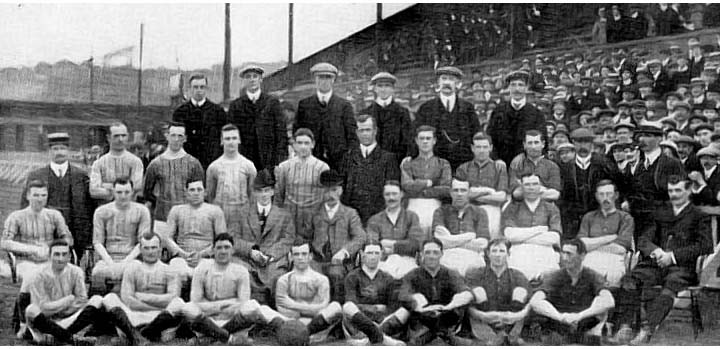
column 139, row 92
column 512, row 30
column 378, row 39
column 289, row 71
column 92, row 79
column 227, row 67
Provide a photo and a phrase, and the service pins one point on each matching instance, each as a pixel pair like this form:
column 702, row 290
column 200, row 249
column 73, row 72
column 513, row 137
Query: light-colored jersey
column 298, row 182
column 39, row 229
column 109, row 167
column 48, row 287
column 309, row 288
column 194, row 229
column 228, row 180
column 119, row 229
column 211, row 283
column 156, row 278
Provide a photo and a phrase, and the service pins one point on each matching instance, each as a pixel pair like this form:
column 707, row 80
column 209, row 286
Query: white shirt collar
column 655, row 76
column 370, row 274
column 367, row 150
column 677, row 210
column 253, row 96
column 196, row 103
column 393, row 216
column 331, row 211
column 583, row 163
column 265, row 208
column 517, row 105
column 324, row 96
column 445, row 99
column 532, row 205
column 652, row 156
column 709, row 172
column 59, row 169
column 384, row 102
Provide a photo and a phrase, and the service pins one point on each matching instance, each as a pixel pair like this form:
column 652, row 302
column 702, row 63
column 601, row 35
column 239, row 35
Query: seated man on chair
column 263, row 242
column 191, row 229
column 220, row 296
column 149, row 301
column 572, row 303
column 669, row 251
column 607, row 234
column 398, row 230
column 59, row 307
column 533, row 227
column 435, row 296
column 304, row 293
column 462, row 228
column 117, row 227
column 501, row 294
column 369, row 301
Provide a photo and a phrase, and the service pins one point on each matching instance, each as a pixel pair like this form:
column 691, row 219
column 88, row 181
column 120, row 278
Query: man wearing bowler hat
column 511, row 119
column 68, row 191
column 687, row 146
column 395, row 132
column 453, row 118
column 328, row 116
column 261, row 122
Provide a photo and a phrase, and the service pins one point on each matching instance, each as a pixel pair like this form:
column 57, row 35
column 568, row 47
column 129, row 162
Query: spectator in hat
column 395, row 132
column 703, row 132
column 669, row 148
column 619, row 152
column 661, row 79
column 682, row 73
column 697, row 59
column 637, row 24
column 566, row 153
column 686, row 153
column 599, row 31
column 623, row 113
column 697, row 91
column 560, row 137
column 261, row 122
column 624, row 132
column 366, row 168
column 667, row 20
column 706, row 183
column 649, row 176
column 453, row 118
column 328, row 116
column 579, row 179
column 559, row 114
column 615, row 25
column 203, row 120
column 511, row 120
column 681, row 111
column 638, row 110
column 67, row 189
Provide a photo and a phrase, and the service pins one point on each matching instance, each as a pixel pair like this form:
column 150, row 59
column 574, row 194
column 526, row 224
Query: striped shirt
column 118, row 229
column 165, row 181
column 39, row 229
column 309, row 288
column 108, row 168
column 49, row 287
column 210, row 283
column 415, row 172
column 228, row 181
column 155, row 278
column 194, row 229
column 298, row 182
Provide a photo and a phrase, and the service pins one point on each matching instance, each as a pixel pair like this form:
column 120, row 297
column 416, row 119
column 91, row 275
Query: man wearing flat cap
column 259, row 117
column 512, row 119
column 662, row 83
column 335, row 235
column 328, row 116
column 681, row 111
column 68, row 191
column 579, row 179
column 453, row 118
column 687, row 146
column 263, row 243
column 706, row 183
column 203, row 120
column 395, row 131
column 649, row 176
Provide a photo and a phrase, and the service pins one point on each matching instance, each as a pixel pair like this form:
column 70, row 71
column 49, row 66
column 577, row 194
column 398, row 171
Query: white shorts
column 533, row 260
column 611, row 265
column 461, row 260
column 397, row 266
column 424, row 208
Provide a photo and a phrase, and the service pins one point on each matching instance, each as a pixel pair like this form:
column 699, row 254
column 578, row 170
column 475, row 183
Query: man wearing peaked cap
column 662, row 83
column 453, row 117
column 697, row 91
column 703, row 134
column 330, row 117
column 68, row 190
column 395, row 131
column 706, row 182
column 335, row 235
column 686, row 152
column 624, row 132
column 511, row 119
column 264, row 240
column 259, row 117
column 681, row 111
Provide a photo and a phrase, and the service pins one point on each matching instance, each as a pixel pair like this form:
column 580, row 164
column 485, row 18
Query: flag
column 121, row 57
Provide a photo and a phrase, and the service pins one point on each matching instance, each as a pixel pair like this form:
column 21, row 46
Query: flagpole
column 92, row 79
column 291, row 80
column 139, row 92
column 227, row 67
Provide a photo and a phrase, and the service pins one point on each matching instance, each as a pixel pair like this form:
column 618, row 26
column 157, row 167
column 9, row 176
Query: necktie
column 447, row 106
column 60, row 173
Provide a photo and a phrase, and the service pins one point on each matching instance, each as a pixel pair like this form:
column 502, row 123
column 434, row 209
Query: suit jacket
column 263, row 133
column 663, row 84
column 327, row 235
column 395, row 132
column 274, row 240
column 507, row 129
column 578, row 197
column 202, row 129
column 696, row 66
column 687, row 235
column 454, row 130
column 708, row 195
column 333, row 126
column 79, row 218
column 365, row 178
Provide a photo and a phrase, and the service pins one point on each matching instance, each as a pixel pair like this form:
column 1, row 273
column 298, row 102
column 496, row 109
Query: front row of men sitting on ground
column 304, row 287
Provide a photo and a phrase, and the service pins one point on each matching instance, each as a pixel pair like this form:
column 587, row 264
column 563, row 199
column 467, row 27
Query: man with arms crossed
column 115, row 164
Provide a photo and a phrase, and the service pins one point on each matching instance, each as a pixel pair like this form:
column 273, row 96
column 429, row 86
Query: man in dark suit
column 266, row 234
column 395, row 132
column 329, row 117
column 366, row 169
column 68, row 191
column 686, row 151
column 510, row 121
column 706, row 184
column 669, row 250
column 453, row 118
column 662, row 83
column 203, row 120
column 259, row 117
